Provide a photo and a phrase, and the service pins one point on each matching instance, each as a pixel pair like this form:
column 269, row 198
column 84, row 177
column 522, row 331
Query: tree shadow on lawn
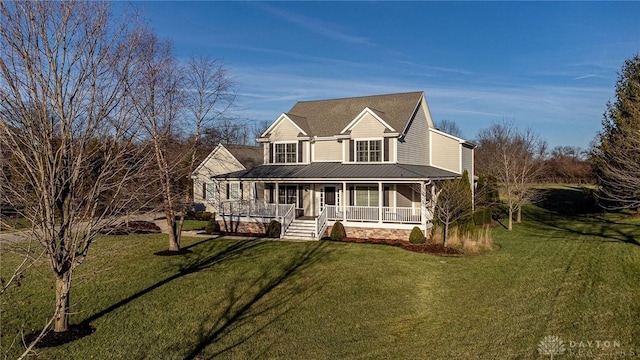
column 250, row 309
column 194, row 264
column 575, row 210
column 244, row 304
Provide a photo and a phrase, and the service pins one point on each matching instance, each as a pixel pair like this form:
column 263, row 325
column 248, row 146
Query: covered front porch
column 383, row 196
column 356, row 204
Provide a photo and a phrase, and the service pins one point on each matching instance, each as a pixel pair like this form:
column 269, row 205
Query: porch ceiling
column 340, row 172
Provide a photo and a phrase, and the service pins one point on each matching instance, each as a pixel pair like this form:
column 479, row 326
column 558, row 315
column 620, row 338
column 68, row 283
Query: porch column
column 345, row 197
column 423, row 206
column 380, row 202
column 277, row 196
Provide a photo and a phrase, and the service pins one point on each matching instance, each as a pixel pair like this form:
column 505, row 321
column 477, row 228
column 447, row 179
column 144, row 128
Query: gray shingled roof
column 340, row 171
column 329, row 117
column 249, row 156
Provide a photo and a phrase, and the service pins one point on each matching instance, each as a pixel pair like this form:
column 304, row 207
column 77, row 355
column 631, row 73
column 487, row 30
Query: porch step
column 301, row 229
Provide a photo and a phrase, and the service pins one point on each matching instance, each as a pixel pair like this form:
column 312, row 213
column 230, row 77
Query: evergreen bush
column 416, row 236
column 274, row 229
column 213, row 227
column 337, row 231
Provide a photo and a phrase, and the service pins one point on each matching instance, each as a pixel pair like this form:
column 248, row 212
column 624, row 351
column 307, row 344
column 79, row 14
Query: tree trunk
column 174, row 241
column 510, row 226
column 445, row 233
column 519, row 215
column 63, row 285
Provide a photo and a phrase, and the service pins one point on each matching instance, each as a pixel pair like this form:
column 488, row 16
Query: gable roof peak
column 330, row 117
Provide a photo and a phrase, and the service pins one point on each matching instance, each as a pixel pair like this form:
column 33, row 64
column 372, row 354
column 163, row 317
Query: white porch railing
column 321, row 223
column 400, row 215
column 253, row 208
column 287, row 219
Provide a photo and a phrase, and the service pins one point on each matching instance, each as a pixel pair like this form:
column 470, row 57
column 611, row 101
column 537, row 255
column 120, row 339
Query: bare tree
column 453, row 203
column 65, row 115
column 158, row 103
column 449, row 126
column 209, row 96
column 513, row 159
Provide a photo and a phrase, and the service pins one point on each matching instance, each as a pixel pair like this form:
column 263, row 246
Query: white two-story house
column 369, row 162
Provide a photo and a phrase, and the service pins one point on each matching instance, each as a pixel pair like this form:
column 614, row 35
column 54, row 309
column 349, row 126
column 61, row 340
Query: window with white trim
column 208, row 191
column 368, row 150
column 285, row 153
column 367, row 196
column 234, row 191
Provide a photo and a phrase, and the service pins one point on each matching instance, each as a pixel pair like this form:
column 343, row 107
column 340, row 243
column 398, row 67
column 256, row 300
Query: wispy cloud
column 561, row 114
column 317, row 26
column 585, row 76
column 436, row 68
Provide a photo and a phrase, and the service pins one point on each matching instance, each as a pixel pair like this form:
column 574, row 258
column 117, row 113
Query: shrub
column 213, row 227
column 337, row 231
column 416, row 236
column 274, row 228
column 203, row 215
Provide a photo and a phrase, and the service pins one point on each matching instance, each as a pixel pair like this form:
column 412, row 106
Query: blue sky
column 549, row 66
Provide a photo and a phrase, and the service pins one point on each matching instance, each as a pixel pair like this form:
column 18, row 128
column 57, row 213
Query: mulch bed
column 437, row 249
column 51, row 338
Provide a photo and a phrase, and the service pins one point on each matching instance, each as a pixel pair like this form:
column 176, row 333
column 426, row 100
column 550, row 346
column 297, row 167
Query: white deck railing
column 321, row 223
column 287, row 219
column 255, row 208
column 401, row 215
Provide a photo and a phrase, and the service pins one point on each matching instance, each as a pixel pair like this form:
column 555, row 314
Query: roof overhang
column 339, row 172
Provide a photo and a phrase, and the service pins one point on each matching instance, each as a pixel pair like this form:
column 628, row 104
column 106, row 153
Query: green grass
column 12, row 224
column 575, row 277
column 189, row 225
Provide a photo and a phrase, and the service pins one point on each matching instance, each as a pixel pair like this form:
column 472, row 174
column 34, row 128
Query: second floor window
column 285, row 153
column 369, row 150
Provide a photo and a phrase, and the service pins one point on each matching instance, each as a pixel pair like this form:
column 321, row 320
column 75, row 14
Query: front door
column 329, row 195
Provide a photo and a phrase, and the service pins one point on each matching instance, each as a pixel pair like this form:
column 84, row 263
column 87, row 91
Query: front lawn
column 577, row 278
column 190, row 225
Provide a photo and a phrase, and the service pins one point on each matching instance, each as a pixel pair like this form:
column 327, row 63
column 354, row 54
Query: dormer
column 286, row 141
column 371, row 138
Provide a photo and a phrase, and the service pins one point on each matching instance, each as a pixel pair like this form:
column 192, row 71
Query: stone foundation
column 252, row 227
column 373, row 233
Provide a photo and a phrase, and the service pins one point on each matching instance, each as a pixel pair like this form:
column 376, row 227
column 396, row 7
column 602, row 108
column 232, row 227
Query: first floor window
column 369, row 150
column 367, row 196
column 208, row 191
column 287, row 195
column 233, row 191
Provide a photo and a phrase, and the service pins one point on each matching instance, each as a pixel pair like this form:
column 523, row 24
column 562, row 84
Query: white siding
column 414, row 149
column 445, row 152
column 327, row 151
